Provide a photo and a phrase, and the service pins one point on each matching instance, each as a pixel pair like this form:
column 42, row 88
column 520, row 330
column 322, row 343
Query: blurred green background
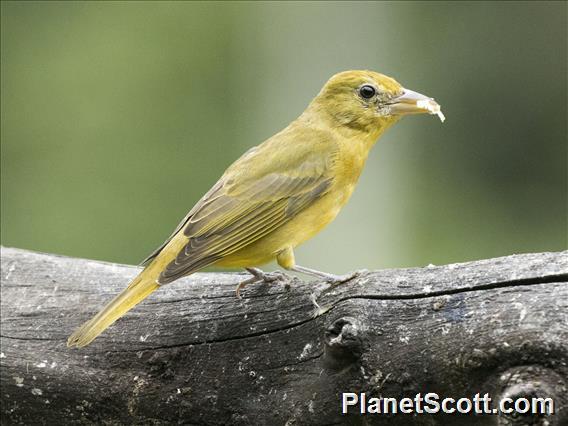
column 117, row 117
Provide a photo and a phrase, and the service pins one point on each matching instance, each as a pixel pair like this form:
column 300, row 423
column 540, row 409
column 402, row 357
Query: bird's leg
column 330, row 278
column 258, row 275
column 286, row 259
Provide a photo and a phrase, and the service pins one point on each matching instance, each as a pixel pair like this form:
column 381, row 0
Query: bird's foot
column 258, row 276
column 243, row 284
column 335, row 280
column 326, row 276
column 268, row 277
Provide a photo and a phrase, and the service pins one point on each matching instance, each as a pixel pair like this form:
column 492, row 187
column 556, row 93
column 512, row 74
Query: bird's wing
column 157, row 251
column 246, row 206
column 214, row 191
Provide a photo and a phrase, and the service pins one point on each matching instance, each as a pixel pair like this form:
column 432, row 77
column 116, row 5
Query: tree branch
column 195, row 354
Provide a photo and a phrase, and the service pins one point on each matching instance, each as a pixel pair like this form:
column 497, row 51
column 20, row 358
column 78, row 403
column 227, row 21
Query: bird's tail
column 140, row 288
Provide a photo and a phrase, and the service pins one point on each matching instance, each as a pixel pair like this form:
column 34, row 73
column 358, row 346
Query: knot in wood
column 533, row 383
column 344, row 342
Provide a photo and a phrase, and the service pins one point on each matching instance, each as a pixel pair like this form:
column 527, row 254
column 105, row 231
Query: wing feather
column 254, row 197
column 223, row 232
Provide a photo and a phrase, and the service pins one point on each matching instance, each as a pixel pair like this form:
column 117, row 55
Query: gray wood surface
column 194, row 354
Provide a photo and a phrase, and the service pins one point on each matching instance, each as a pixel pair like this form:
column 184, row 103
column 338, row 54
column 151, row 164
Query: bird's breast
column 350, row 161
column 345, row 173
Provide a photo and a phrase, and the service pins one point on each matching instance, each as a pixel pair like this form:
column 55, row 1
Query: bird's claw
column 318, row 310
column 270, row 277
column 260, row 276
column 340, row 279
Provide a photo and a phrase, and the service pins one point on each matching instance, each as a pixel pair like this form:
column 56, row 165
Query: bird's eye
column 367, row 91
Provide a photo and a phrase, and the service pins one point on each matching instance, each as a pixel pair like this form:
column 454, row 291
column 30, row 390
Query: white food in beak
column 432, row 107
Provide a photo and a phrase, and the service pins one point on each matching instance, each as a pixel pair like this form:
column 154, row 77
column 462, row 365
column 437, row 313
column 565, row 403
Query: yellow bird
column 278, row 194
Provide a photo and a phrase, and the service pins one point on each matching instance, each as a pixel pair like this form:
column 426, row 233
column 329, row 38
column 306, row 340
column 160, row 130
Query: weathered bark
column 194, row 354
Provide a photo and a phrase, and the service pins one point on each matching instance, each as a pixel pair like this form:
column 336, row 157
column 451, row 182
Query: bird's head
column 367, row 101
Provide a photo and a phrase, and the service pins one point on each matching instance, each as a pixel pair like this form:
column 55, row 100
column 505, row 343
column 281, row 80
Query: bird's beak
column 411, row 102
